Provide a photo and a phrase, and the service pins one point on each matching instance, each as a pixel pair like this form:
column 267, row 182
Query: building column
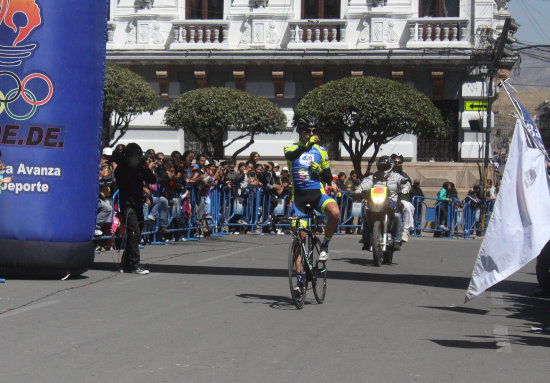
column 318, row 77
column 278, row 75
column 162, row 75
column 201, row 75
column 398, row 76
column 239, row 76
column 438, row 85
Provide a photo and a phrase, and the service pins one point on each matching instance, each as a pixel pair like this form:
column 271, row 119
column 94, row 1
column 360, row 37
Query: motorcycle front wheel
column 377, row 243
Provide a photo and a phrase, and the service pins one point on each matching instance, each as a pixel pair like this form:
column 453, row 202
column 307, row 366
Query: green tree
column 360, row 112
column 208, row 114
column 126, row 95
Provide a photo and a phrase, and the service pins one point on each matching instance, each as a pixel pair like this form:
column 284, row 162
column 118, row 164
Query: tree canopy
column 126, row 95
column 209, row 113
column 360, row 112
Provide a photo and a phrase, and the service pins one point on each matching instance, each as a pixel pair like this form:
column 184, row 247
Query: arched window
column 204, row 9
column 439, row 8
column 320, row 9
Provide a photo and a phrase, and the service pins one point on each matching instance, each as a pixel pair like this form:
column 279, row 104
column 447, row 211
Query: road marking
column 496, row 299
column 140, row 278
column 229, row 254
column 27, row 308
column 501, row 336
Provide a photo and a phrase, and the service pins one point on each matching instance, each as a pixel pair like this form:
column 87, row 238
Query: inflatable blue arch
column 52, row 64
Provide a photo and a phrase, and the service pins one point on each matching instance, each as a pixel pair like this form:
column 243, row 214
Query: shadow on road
column 356, row 261
column 274, row 301
column 441, row 281
column 530, row 310
column 468, row 344
column 458, row 309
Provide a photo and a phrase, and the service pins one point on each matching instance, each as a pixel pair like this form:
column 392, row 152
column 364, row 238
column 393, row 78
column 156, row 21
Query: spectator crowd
column 180, row 204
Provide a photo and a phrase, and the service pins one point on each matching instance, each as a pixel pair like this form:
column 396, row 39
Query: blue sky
column 534, row 17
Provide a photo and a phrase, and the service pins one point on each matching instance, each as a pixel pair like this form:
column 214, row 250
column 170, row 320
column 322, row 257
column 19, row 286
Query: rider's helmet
column 304, row 123
column 383, row 163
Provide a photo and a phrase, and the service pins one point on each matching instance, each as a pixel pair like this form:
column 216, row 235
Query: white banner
column 520, row 223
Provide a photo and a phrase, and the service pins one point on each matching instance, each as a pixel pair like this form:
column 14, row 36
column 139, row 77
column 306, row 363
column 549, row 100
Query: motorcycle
column 379, row 218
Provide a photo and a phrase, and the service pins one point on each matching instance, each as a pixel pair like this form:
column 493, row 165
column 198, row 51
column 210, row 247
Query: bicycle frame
column 308, row 244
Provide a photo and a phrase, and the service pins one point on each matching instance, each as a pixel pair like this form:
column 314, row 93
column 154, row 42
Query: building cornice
column 420, row 56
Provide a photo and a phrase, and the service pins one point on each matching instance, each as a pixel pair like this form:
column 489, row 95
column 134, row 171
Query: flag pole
column 493, row 66
column 519, row 115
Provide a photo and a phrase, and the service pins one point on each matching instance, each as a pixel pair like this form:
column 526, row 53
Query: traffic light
column 510, row 27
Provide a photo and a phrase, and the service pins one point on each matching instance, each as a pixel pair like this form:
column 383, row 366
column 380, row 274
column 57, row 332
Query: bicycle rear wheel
column 298, row 295
column 319, row 282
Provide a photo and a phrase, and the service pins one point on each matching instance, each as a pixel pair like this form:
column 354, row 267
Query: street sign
column 475, row 105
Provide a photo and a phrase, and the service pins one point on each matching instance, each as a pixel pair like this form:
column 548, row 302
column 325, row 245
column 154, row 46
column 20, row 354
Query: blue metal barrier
column 349, row 210
column 253, row 208
column 463, row 220
column 424, row 215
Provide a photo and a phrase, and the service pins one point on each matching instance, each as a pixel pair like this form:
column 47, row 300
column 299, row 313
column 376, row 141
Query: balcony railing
column 428, row 31
column 199, row 33
column 316, row 32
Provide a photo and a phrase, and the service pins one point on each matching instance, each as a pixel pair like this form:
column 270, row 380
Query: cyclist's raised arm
column 294, row 151
column 325, row 174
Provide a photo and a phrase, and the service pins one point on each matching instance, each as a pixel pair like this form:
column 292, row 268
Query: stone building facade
column 281, row 49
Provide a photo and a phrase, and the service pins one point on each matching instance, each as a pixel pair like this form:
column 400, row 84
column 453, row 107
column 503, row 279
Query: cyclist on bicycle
column 309, row 169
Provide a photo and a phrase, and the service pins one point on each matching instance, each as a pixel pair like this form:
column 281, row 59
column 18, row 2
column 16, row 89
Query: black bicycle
column 313, row 270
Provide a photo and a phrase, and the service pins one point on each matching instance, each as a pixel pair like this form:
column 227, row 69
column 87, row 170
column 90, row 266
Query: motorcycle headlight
column 378, row 199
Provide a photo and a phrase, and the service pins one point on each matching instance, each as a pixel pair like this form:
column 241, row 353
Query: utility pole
column 498, row 50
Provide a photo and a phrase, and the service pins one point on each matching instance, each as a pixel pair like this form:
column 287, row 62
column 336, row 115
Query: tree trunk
column 373, row 158
column 356, row 161
column 218, row 150
column 238, row 151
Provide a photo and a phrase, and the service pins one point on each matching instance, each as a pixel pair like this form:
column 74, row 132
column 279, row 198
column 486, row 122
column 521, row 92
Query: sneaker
column 98, row 232
column 323, row 255
column 405, row 236
column 396, row 246
column 443, row 227
column 138, row 270
column 298, row 289
column 141, row 271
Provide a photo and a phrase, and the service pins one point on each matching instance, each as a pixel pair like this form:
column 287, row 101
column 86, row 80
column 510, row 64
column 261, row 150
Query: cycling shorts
column 314, row 197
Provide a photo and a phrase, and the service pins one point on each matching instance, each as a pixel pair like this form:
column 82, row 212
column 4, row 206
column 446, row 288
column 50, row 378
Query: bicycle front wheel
column 319, row 282
column 298, row 293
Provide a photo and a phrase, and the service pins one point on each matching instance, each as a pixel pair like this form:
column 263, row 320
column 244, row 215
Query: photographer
column 131, row 175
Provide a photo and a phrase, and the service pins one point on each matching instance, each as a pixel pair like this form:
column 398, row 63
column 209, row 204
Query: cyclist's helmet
column 303, row 123
column 383, row 163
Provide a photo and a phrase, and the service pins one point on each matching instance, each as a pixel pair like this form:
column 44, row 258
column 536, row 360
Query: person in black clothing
column 543, row 272
column 416, row 191
column 131, row 175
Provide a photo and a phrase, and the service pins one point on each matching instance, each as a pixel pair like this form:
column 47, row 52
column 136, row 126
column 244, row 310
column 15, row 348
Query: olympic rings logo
column 21, row 91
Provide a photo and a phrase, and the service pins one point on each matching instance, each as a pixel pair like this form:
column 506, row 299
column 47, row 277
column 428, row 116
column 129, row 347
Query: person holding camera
column 131, row 175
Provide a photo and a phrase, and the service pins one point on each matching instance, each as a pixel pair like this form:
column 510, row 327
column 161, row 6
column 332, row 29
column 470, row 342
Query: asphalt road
column 219, row 310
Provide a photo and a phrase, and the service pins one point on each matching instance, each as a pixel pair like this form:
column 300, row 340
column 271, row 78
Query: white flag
column 520, row 223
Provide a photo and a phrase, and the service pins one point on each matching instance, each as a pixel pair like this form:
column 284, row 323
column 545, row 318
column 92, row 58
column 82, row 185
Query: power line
column 535, row 22
column 539, row 85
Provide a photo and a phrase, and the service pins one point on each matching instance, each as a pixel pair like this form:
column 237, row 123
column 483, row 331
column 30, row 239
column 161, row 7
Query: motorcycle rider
column 407, row 206
column 384, row 176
